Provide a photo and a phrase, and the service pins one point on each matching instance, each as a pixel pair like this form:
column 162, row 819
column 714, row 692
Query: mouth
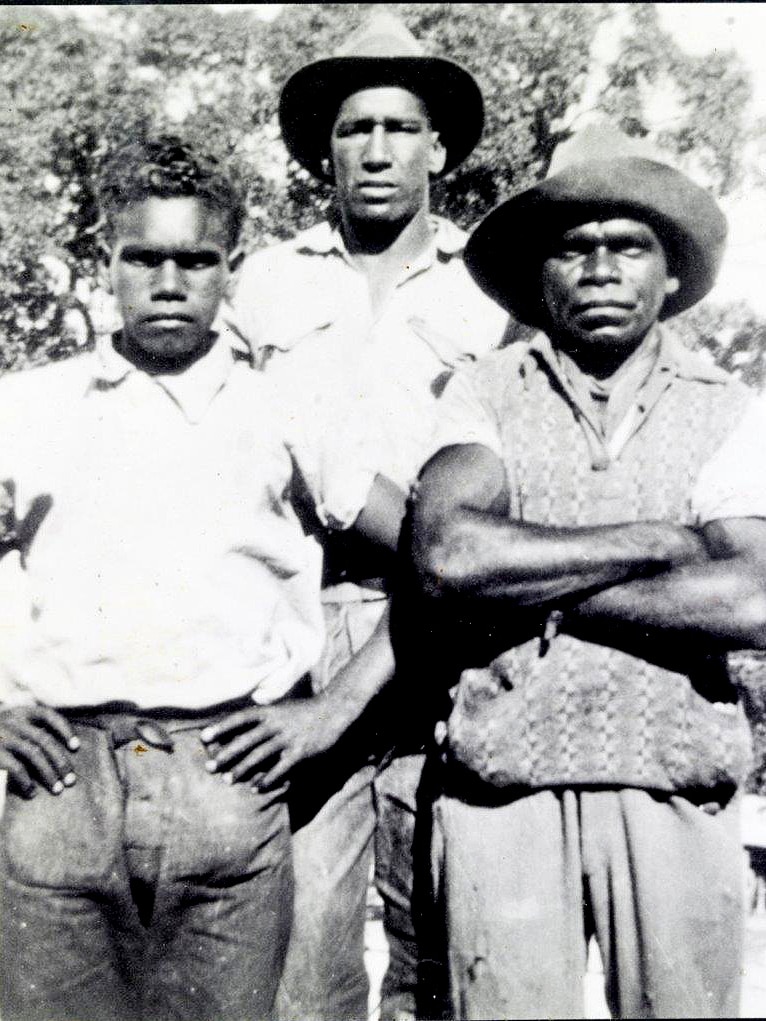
column 603, row 313
column 376, row 189
column 168, row 320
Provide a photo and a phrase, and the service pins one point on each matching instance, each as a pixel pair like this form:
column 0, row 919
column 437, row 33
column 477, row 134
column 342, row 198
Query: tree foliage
column 73, row 92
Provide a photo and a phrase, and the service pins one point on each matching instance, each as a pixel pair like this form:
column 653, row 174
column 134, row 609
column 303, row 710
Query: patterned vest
column 665, row 717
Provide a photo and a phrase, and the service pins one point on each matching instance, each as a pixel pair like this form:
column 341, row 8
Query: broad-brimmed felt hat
column 382, row 52
column 598, row 173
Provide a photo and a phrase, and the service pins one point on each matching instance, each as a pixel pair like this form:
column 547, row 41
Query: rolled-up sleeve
column 732, row 484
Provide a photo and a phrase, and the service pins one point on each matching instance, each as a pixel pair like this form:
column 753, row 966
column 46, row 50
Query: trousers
column 333, row 820
column 150, row 890
column 524, row 884
column 415, row 982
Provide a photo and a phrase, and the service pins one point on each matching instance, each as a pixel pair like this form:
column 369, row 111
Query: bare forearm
column 363, row 678
column 716, row 602
column 527, row 564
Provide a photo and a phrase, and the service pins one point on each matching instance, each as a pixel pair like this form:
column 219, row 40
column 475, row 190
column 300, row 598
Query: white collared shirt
column 307, row 305
column 160, row 562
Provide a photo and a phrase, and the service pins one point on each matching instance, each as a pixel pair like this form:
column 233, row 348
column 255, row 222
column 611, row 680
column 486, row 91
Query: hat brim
column 506, row 251
column 312, row 97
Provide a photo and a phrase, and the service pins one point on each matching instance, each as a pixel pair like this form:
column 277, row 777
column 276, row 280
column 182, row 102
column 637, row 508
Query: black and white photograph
column 382, row 511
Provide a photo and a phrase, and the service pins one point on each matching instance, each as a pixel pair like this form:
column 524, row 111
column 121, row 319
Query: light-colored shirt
column 306, row 308
column 726, row 485
column 733, row 482
column 160, row 562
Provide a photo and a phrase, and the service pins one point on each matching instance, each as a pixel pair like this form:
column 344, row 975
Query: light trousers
column 524, row 884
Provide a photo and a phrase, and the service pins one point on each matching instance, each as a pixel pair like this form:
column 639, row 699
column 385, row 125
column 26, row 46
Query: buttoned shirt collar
column 192, row 390
column 326, row 238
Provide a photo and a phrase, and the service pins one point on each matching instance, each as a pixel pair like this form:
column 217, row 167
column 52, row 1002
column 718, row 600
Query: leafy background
column 71, row 91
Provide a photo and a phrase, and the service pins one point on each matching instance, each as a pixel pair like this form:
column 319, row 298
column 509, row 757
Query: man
column 374, row 303
column 156, row 582
column 578, row 503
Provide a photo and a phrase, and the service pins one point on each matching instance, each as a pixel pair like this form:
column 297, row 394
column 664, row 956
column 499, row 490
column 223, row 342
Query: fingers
column 35, row 746
column 245, row 718
column 34, row 758
column 232, row 752
column 250, row 763
column 275, row 779
column 275, row 795
column 58, row 725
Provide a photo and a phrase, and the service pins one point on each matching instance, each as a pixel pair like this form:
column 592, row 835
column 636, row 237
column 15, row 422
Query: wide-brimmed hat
column 598, row 172
column 382, row 52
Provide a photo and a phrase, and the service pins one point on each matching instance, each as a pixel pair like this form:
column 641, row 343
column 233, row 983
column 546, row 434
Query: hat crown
column 600, row 142
column 382, row 35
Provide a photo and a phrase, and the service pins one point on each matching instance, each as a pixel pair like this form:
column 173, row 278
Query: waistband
column 125, row 721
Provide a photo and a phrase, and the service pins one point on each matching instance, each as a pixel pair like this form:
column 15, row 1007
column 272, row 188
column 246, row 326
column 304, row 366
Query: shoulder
column 52, row 379
column 286, row 254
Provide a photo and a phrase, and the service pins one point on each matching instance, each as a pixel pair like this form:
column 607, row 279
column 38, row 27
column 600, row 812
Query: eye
column 405, row 127
column 568, row 254
column 198, row 260
column 350, row 128
column 141, row 258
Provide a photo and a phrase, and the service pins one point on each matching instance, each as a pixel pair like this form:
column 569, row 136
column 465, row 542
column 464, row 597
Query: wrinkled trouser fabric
column 333, row 821
column 415, row 983
column 150, row 890
column 657, row 879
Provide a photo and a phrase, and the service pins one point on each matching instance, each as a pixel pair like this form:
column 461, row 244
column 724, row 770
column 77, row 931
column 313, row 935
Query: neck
column 156, row 364
column 402, row 239
column 603, row 363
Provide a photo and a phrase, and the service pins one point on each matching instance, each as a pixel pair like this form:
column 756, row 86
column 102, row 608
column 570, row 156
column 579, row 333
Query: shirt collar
column 672, row 356
column 325, row 238
column 192, row 390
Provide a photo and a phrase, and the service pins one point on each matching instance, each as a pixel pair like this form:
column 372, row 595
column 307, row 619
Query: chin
column 170, row 347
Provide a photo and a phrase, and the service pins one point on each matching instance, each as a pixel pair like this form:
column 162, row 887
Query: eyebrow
column 367, row 123
column 133, row 249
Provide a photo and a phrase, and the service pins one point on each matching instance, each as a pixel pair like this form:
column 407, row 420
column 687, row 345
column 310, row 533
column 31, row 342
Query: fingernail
column 211, row 765
column 31, row 793
column 73, row 744
column 58, row 787
column 206, row 734
column 69, row 779
column 228, row 778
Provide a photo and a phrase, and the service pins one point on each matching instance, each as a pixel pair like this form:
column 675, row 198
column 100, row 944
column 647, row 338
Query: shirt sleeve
column 463, row 416
column 732, row 484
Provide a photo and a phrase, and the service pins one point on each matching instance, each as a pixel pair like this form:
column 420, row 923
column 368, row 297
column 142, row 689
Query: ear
column 327, row 169
column 235, row 257
column 437, row 157
column 671, row 286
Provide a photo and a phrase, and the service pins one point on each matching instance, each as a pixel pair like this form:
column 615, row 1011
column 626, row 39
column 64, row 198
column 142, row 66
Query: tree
column 74, row 93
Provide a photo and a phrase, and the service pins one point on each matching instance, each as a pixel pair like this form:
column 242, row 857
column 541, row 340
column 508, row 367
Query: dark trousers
column 150, row 890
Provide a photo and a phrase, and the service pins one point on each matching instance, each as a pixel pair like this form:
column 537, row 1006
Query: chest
column 556, row 476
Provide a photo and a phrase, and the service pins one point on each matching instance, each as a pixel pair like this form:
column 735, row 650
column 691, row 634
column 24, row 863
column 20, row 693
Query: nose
column 169, row 282
column 376, row 152
column 601, row 266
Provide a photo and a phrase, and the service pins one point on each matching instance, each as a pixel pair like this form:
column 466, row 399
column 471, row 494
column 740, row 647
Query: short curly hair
column 168, row 167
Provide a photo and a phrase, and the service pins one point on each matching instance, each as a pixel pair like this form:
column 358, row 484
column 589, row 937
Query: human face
column 168, row 271
column 383, row 151
column 604, row 285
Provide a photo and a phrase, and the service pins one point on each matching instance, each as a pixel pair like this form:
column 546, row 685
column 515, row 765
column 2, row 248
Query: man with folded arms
column 584, row 498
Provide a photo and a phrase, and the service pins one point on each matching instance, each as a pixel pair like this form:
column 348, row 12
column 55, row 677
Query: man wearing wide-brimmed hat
column 374, row 302
column 583, row 488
